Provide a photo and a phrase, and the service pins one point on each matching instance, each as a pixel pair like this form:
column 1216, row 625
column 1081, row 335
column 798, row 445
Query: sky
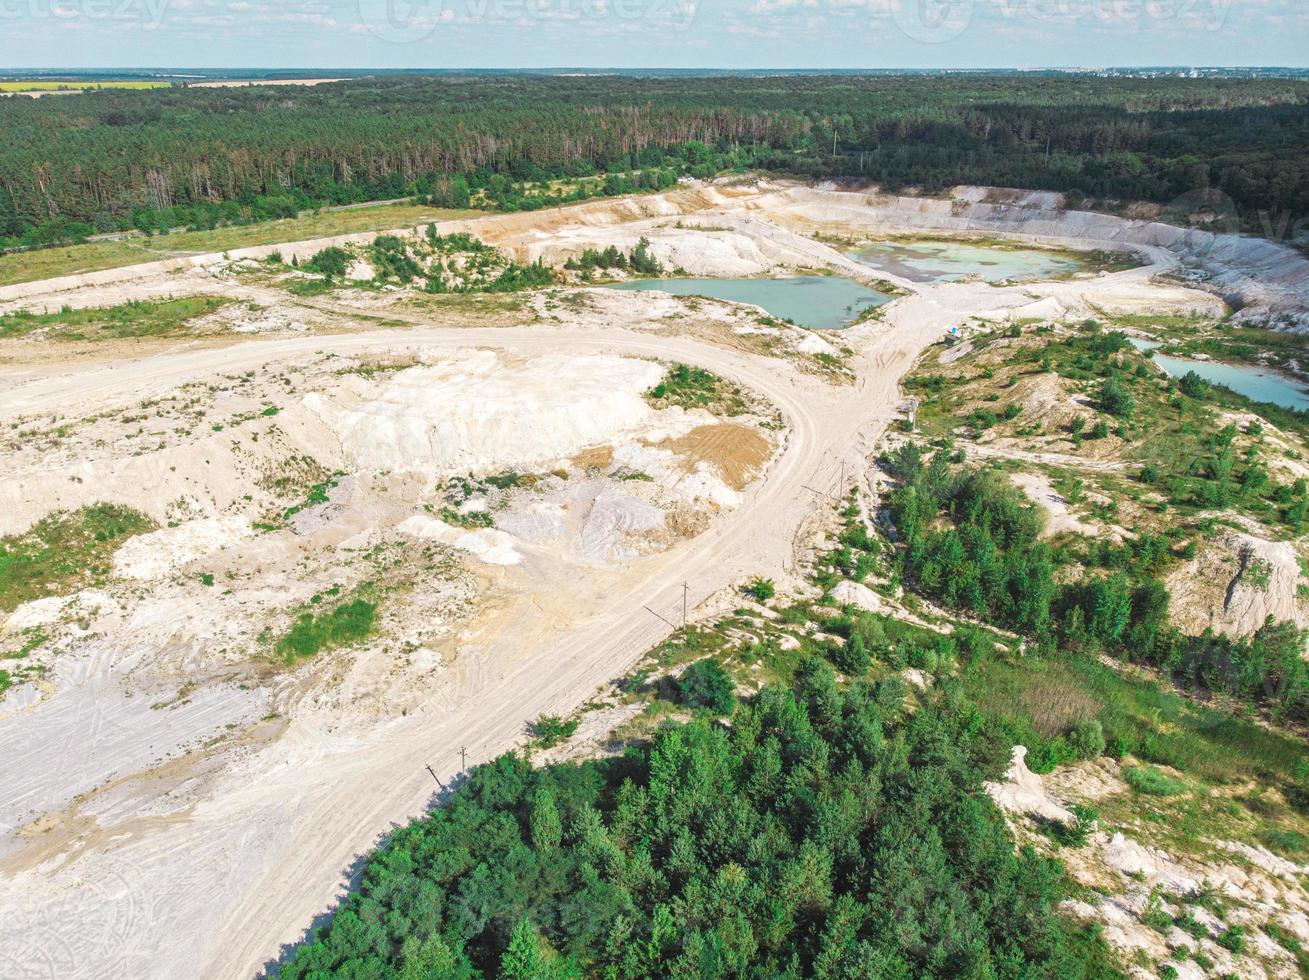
column 651, row 33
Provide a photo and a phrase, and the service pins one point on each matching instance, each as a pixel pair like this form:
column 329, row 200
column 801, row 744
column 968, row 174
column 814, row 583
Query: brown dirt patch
column 594, row 457
column 738, row 451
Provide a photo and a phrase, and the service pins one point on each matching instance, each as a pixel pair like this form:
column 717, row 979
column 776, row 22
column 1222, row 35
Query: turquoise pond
column 1255, row 383
column 943, row 261
column 820, row 302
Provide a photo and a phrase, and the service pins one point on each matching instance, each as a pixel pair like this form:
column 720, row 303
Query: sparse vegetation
column 691, row 387
column 137, row 318
column 65, row 551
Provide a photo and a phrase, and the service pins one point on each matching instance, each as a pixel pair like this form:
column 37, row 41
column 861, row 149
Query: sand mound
column 479, row 412
column 1235, row 582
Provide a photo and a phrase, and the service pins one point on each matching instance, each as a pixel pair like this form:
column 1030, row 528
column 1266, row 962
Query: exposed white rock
column 1022, row 792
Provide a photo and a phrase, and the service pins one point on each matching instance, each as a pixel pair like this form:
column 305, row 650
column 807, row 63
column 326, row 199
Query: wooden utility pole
column 436, row 777
column 463, row 758
column 686, row 588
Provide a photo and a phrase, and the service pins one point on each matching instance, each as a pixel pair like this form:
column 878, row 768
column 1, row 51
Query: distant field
column 43, row 87
column 95, row 256
column 238, row 82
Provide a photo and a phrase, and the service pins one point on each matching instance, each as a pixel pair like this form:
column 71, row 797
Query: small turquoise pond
column 1255, row 383
column 943, row 261
column 820, row 302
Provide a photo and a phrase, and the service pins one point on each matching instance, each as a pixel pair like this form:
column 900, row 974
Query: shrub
column 852, row 657
column 1087, row 740
column 1077, row 833
column 761, row 588
column 643, row 262
column 705, row 684
column 1194, row 386
column 1116, row 399
column 550, row 730
column 330, row 263
column 1232, row 939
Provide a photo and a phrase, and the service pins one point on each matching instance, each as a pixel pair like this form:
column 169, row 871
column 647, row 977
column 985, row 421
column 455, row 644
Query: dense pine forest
column 106, row 161
column 826, row 833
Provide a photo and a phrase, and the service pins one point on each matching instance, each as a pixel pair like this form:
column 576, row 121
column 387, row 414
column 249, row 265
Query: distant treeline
column 112, row 160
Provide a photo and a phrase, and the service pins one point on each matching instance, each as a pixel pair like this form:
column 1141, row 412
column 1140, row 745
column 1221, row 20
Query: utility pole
column 463, row 758
column 436, row 777
column 686, row 588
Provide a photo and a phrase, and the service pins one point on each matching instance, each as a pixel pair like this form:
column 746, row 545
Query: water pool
column 821, row 302
column 943, row 261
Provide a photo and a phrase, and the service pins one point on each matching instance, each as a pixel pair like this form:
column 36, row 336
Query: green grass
column 139, row 318
column 94, row 256
column 1152, row 781
column 1291, row 843
column 312, row 634
column 691, row 387
column 1036, row 701
column 472, row 520
column 318, row 493
column 64, row 551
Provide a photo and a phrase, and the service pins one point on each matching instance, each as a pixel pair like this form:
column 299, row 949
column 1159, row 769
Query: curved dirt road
column 218, row 893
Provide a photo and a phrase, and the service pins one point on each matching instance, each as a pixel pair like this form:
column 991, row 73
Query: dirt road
column 265, row 854
column 216, row 889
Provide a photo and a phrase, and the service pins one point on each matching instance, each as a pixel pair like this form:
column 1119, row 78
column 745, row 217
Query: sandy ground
column 181, row 853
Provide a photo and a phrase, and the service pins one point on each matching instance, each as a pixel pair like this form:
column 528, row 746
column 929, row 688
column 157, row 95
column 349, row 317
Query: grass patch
column 318, row 494
column 1152, row 781
column 139, row 318
column 64, row 551
column 472, row 520
column 1289, row 843
column 690, row 387
column 1037, row 703
column 93, row 256
column 312, row 634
